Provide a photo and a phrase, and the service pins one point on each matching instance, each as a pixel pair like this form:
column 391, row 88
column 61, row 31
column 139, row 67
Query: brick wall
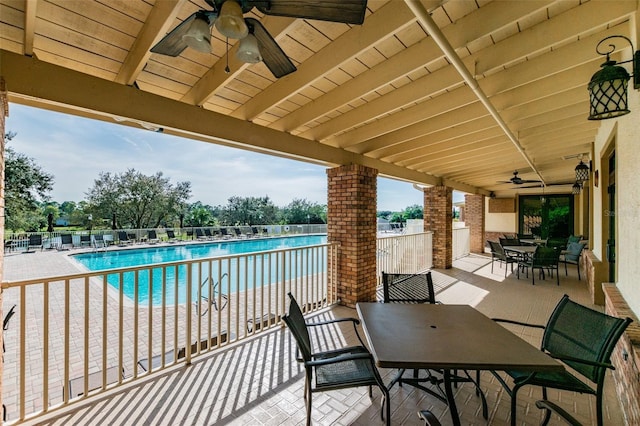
column 626, row 355
column 351, row 222
column 438, row 218
column 4, row 111
column 474, row 219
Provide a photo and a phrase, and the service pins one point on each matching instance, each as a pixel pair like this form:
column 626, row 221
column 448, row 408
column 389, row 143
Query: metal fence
column 82, row 334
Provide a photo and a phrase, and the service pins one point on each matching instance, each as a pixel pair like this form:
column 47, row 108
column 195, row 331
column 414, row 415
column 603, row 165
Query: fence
column 81, row 334
column 461, row 242
column 404, row 253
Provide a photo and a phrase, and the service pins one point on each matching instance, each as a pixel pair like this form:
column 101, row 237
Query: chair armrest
column 339, row 358
column 566, row 358
column 508, row 321
column 354, row 321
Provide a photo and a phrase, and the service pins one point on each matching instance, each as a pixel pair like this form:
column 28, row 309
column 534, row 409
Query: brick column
column 4, row 112
column 474, row 219
column 438, row 218
column 351, row 222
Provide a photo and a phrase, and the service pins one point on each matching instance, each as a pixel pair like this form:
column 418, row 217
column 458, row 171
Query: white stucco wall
column 499, row 222
column 626, row 132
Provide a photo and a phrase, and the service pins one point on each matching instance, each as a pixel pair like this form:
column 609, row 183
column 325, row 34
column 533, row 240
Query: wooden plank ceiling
column 383, row 91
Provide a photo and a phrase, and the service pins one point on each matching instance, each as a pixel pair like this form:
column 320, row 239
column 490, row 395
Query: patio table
column 446, row 337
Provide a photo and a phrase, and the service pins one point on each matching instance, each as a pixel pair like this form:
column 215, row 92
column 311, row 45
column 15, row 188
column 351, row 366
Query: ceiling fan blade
column 172, row 44
column 272, row 54
column 346, row 11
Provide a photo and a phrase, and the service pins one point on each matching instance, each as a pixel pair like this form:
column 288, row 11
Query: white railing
column 461, row 241
column 82, row 334
column 410, row 253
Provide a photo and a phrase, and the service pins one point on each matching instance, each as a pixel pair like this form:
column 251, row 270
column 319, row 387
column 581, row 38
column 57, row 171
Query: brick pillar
column 4, row 112
column 438, row 218
column 474, row 219
column 351, row 222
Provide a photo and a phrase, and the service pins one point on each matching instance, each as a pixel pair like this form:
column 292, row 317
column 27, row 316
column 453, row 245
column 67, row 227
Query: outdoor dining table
column 448, row 338
column 525, row 250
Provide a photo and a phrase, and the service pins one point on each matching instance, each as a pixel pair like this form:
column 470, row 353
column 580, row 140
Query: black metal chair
column 408, row 288
column 583, row 339
column 543, row 259
column 334, row 369
column 561, row 412
column 498, row 253
column 572, row 256
column 428, row 418
column 35, row 240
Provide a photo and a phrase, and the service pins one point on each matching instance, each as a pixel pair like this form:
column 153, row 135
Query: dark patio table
column 446, row 337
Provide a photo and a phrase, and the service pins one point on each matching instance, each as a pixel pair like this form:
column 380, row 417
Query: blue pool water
column 235, row 272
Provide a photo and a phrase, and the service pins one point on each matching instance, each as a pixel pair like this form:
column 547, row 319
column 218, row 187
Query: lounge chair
column 200, row 235
column 152, row 236
column 255, row 232
column 210, row 294
column 209, row 234
column 123, row 239
column 171, row 236
column 580, row 337
column 66, row 242
column 346, row 367
column 238, row 232
column 225, row 234
column 85, row 240
column 35, row 241
column 98, row 242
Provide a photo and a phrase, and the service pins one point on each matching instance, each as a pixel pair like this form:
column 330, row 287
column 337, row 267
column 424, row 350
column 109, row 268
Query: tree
column 26, row 185
column 303, row 211
column 139, row 201
column 249, row 211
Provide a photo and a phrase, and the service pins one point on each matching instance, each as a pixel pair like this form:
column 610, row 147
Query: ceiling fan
column 516, row 180
column 256, row 44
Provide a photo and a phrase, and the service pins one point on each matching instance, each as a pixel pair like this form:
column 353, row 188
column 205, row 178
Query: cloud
column 75, row 150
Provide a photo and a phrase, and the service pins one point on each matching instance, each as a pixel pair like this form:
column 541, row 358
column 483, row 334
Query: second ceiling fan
column 256, row 44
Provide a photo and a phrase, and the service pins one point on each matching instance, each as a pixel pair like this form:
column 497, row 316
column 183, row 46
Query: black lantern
column 575, row 189
column 608, row 87
column 582, row 172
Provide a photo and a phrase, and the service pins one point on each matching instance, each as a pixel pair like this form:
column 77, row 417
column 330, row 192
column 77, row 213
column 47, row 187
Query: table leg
column 451, row 401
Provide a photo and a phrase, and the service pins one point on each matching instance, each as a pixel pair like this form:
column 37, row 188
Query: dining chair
column 341, row 368
column 543, row 259
column 408, row 288
column 498, row 253
column 572, row 256
column 580, row 337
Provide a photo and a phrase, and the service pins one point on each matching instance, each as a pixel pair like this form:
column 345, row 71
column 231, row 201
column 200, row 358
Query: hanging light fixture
column 231, row 23
column 575, row 189
column 198, row 36
column 248, row 51
column 608, row 87
column 582, row 172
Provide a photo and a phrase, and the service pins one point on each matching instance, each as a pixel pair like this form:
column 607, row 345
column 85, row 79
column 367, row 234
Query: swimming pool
column 169, row 283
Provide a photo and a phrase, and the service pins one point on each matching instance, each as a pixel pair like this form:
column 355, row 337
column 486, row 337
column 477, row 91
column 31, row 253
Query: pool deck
column 258, row 382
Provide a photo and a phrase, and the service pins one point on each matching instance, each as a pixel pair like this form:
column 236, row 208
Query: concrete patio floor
column 258, row 382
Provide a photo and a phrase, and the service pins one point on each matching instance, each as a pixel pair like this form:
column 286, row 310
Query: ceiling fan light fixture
column 198, row 36
column 248, row 51
column 231, row 23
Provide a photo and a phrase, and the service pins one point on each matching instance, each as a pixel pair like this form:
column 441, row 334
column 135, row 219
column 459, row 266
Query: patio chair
column 85, row 240
column 200, row 235
column 35, row 240
column 428, row 418
column 544, row 258
column 208, row 234
column 561, row 412
column 509, row 242
column 211, row 296
column 583, row 339
column 152, row 236
column 225, row 233
column 171, row 236
column 572, row 256
column 498, row 253
column 98, row 241
column 574, row 239
column 66, row 242
column 346, row 367
column 123, row 239
column 408, row 288
column 5, row 323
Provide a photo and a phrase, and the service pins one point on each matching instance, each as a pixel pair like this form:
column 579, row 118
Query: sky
column 75, row 150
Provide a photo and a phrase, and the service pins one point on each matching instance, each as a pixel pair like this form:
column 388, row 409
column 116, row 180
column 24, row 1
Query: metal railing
column 409, row 253
column 81, row 334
